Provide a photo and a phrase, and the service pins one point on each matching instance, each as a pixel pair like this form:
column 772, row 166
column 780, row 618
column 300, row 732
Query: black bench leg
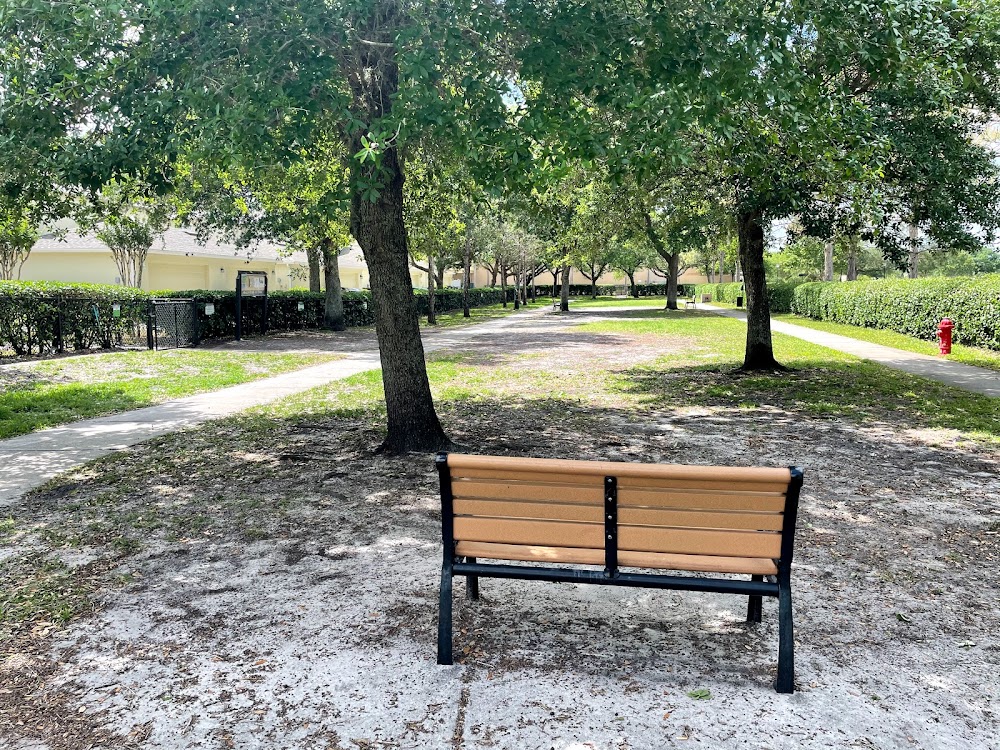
column 755, row 605
column 786, row 638
column 472, row 583
column 444, row 618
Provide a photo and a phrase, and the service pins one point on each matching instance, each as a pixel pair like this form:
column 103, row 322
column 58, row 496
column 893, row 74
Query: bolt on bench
column 699, row 519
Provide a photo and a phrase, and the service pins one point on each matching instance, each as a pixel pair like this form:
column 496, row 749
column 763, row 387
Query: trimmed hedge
column 282, row 310
column 779, row 295
column 33, row 314
column 284, row 313
column 645, row 290
column 910, row 306
column 36, row 315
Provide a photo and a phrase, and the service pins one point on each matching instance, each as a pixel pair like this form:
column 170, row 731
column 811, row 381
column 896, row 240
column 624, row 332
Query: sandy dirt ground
column 284, row 591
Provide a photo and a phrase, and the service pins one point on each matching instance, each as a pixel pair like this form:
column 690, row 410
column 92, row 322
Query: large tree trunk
column 503, row 283
column 759, row 352
column 673, row 263
column 722, row 267
column 466, row 279
column 493, row 277
column 333, row 305
column 564, row 290
column 633, row 289
column 555, row 282
column 673, row 272
column 431, row 317
column 914, row 252
column 378, row 227
column 828, row 261
column 313, row 256
column 852, row 260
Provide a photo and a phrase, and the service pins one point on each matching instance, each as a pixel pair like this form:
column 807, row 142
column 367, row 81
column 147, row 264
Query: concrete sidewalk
column 30, row 460
column 975, row 379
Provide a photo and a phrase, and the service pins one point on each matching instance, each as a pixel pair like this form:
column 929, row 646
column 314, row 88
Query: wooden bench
column 698, row 519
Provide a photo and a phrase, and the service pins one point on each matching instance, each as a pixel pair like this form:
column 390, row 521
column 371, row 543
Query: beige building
column 179, row 262
column 175, row 262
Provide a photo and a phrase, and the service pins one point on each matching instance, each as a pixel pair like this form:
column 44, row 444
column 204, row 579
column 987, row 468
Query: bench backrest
column 676, row 509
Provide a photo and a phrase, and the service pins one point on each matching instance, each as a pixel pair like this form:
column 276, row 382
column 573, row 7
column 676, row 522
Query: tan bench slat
column 634, row 538
column 633, row 516
column 727, row 485
column 459, row 463
column 699, row 519
column 699, row 541
column 510, row 531
column 578, row 556
column 563, row 493
column 555, row 493
column 701, row 500
column 504, row 509
column 535, row 477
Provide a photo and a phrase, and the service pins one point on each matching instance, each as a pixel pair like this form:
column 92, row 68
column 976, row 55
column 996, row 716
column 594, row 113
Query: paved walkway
column 975, row 379
column 30, row 460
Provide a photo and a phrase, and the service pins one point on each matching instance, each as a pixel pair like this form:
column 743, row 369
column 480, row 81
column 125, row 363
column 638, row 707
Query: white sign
column 209, row 308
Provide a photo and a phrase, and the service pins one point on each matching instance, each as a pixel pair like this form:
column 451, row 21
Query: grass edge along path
column 966, row 355
column 61, row 391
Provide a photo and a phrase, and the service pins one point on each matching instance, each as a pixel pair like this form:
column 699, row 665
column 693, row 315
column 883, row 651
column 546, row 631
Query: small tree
column 18, row 235
column 128, row 217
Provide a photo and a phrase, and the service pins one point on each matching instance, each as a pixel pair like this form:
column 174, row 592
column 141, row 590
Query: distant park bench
column 700, row 519
column 557, row 303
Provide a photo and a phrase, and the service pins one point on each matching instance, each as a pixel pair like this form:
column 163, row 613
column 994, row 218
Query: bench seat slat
column 719, row 482
column 459, row 464
column 634, row 538
column 661, row 498
column 555, row 493
column 652, row 560
column 627, row 516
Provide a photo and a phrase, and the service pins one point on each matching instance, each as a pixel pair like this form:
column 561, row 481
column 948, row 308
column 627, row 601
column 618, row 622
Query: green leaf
column 701, row 694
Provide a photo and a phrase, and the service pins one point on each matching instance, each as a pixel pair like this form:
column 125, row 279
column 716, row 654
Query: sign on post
column 252, row 285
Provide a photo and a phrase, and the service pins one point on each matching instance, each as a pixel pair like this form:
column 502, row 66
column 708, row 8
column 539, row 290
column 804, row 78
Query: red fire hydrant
column 944, row 333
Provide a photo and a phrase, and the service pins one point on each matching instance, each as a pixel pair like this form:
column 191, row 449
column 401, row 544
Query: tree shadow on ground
column 860, row 392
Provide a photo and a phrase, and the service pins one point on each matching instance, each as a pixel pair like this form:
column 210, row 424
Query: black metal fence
column 172, row 324
column 52, row 325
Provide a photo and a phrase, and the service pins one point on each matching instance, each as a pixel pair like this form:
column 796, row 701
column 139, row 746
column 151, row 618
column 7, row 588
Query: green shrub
column 910, row 306
column 36, row 315
column 779, row 294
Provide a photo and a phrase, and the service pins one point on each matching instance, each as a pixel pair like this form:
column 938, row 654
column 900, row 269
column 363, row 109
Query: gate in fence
column 172, row 324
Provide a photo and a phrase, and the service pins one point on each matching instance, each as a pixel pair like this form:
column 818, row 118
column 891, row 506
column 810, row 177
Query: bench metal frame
column 756, row 588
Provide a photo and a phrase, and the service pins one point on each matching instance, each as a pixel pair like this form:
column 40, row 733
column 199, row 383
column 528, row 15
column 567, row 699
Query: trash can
column 739, row 302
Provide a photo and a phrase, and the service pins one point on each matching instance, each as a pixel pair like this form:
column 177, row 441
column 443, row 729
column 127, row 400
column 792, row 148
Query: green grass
column 54, row 392
column 454, row 318
column 821, row 382
column 576, row 303
column 700, row 370
column 968, row 355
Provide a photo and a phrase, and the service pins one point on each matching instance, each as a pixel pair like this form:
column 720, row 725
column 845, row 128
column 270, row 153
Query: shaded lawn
column 969, row 355
column 53, row 392
column 822, row 382
column 700, row 371
column 454, row 318
column 608, row 301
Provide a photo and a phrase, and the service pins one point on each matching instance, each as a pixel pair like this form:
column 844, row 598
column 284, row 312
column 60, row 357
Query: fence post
column 195, row 324
column 150, row 317
column 60, row 341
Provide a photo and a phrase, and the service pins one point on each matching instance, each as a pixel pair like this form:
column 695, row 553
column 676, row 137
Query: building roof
column 176, row 241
